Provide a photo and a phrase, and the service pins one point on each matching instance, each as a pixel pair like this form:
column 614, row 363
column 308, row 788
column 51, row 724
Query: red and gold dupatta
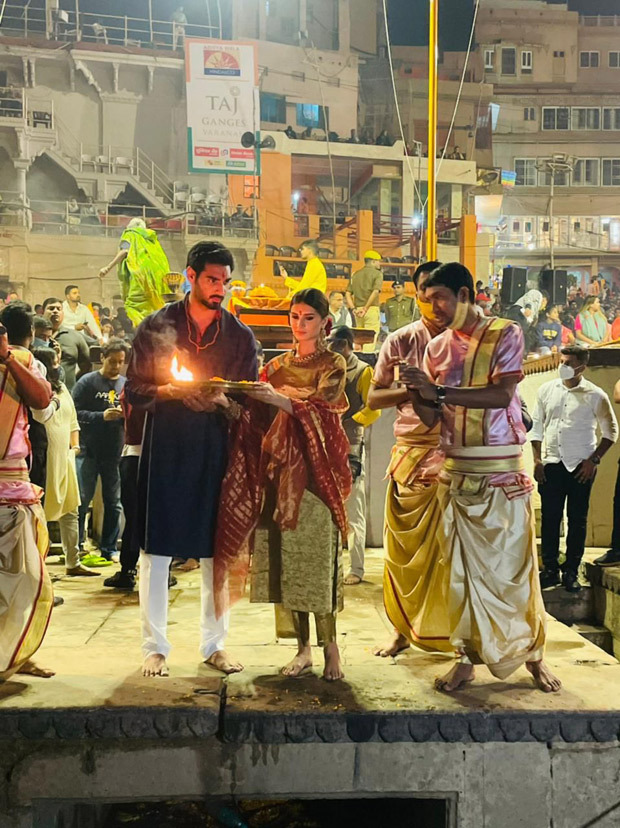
column 308, row 450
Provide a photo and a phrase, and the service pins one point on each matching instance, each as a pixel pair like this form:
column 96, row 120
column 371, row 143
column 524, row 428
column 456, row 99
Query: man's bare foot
column 300, row 665
column 188, row 566
column 458, row 677
column 155, row 665
column 333, row 668
column 397, row 645
column 352, row 579
column 77, row 571
column 29, row 668
column 543, row 677
column 221, row 661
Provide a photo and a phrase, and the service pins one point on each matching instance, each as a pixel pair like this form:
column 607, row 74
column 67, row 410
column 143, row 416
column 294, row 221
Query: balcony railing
column 600, row 19
column 107, row 220
column 20, row 107
column 23, row 21
column 570, row 232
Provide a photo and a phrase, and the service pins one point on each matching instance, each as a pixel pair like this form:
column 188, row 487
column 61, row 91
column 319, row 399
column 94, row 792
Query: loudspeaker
column 513, row 285
column 555, row 282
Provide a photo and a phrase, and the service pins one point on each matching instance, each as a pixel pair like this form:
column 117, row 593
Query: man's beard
column 211, row 305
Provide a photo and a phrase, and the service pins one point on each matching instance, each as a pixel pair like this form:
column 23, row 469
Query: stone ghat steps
column 605, row 589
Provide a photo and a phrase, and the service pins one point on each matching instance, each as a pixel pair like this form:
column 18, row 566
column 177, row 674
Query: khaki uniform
column 399, row 313
column 361, row 285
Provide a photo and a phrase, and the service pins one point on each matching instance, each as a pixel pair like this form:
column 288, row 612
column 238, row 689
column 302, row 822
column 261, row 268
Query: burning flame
column 180, row 373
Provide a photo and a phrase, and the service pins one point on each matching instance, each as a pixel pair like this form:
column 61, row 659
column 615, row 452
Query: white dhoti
column 153, row 588
column 488, row 541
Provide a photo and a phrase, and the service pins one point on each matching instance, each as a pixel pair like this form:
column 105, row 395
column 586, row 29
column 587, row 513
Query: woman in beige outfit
column 62, row 493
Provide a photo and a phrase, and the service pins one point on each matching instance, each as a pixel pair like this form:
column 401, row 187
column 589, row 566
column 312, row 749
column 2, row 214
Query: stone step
column 606, row 589
column 570, row 607
column 599, row 636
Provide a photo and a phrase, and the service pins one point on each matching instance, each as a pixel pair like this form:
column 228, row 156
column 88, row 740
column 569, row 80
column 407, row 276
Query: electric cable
column 400, row 120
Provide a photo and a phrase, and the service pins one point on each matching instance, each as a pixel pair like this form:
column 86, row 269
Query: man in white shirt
column 79, row 317
column 338, row 312
column 568, row 410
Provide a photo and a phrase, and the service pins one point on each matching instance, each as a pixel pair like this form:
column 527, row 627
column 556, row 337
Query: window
column 614, row 60
column 525, row 169
column 611, row 172
column 556, row 117
column 561, row 177
column 586, row 172
column 311, row 115
column 283, row 20
column 322, row 23
column 528, row 226
column 509, row 61
column 529, row 113
column 251, row 186
column 589, row 60
column 611, row 117
column 586, row 117
column 526, row 62
column 516, row 226
column 558, row 54
column 272, row 108
column 489, row 59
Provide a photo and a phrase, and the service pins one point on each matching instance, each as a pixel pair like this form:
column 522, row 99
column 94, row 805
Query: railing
column 17, row 105
column 599, row 19
column 153, row 176
column 91, row 218
column 598, row 238
column 107, row 29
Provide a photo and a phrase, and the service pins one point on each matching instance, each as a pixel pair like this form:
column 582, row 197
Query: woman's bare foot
column 301, row 664
column 456, row 678
column 543, row 677
column 221, row 661
column 188, row 566
column 29, row 668
column 352, row 579
column 155, row 665
column 333, row 668
column 397, row 645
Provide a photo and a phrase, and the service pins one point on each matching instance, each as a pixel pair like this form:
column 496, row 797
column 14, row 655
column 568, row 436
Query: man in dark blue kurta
column 184, row 452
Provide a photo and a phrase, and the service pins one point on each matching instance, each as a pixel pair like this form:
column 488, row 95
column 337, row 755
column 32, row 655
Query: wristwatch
column 441, row 394
column 595, row 459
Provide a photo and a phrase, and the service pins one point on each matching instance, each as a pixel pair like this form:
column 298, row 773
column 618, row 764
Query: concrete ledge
column 134, row 725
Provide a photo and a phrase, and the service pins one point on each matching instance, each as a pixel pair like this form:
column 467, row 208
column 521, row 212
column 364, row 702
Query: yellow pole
column 431, row 212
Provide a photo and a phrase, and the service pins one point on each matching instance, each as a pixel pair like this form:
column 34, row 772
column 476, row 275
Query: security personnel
column 400, row 308
column 363, row 293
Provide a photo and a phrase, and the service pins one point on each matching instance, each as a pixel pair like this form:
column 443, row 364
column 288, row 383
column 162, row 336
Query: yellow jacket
column 314, row 277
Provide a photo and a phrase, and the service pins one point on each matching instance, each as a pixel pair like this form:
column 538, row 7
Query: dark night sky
column 409, row 19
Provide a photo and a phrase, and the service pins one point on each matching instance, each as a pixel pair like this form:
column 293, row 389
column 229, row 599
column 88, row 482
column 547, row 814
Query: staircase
column 118, row 169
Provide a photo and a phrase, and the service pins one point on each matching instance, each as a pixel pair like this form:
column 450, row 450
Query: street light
column 560, row 162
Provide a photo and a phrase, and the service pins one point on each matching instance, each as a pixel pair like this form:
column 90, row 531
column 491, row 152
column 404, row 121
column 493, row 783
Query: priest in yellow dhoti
column 415, row 578
column 25, row 588
column 487, row 537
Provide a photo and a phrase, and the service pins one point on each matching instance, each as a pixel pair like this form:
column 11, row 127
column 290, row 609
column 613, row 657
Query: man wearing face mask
column 568, row 411
column 486, row 530
column 414, row 579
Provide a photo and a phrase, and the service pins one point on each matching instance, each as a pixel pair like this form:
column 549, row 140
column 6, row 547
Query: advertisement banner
column 223, row 111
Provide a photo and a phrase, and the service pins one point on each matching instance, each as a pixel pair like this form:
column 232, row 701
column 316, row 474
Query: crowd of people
column 287, row 441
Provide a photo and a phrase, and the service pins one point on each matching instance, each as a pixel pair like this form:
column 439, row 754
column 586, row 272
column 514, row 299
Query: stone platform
column 98, row 731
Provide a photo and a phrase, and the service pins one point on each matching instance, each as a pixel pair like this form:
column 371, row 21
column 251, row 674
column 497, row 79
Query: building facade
column 555, row 76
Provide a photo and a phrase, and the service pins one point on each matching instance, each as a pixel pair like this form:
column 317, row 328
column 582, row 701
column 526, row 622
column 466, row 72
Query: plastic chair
column 287, row 250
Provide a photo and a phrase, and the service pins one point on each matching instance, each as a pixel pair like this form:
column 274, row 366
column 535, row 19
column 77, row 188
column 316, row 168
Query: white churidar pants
column 153, row 588
column 356, row 513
